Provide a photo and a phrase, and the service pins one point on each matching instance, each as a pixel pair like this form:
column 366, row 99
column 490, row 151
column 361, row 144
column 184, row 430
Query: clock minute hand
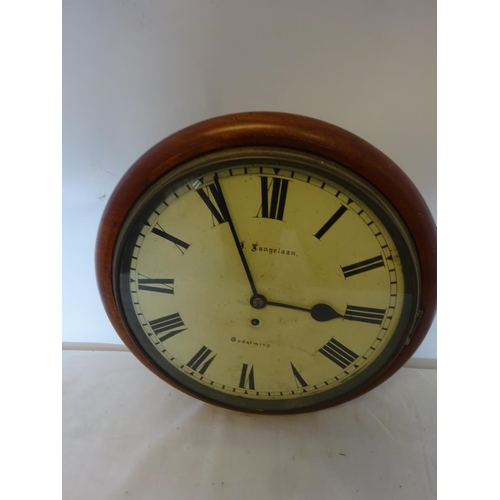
column 319, row 312
column 223, row 206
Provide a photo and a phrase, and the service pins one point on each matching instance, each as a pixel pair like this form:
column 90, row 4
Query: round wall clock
column 268, row 262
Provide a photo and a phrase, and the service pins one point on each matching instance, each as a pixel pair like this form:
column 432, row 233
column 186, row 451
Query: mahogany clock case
column 296, row 135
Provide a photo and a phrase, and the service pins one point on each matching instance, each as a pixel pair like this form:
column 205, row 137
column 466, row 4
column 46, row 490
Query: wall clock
column 268, row 262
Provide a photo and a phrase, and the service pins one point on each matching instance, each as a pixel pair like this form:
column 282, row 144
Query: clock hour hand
column 319, row 312
column 227, row 216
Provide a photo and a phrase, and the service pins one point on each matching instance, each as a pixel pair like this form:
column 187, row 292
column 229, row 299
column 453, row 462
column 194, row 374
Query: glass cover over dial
column 266, row 279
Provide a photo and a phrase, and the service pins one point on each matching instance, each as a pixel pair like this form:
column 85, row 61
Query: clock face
column 266, row 279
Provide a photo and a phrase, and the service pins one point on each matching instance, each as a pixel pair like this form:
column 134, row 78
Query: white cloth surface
column 129, row 435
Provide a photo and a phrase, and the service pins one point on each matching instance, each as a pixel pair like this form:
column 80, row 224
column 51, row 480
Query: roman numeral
column 217, row 206
column 199, row 361
column 363, row 266
column 331, row 221
column 364, row 314
column 338, row 353
column 168, row 326
column 273, row 197
column 247, row 379
column 298, row 377
column 176, row 241
column 161, row 285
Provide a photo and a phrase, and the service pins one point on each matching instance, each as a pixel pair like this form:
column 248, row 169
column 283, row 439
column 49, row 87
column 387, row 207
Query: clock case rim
column 285, row 131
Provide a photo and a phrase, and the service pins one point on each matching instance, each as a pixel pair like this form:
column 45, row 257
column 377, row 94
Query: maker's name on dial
column 255, row 247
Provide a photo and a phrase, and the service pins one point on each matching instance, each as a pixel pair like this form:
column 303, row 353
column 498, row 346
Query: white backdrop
column 136, row 71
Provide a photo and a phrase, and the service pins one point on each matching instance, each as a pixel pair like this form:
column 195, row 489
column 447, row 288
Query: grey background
column 136, row 71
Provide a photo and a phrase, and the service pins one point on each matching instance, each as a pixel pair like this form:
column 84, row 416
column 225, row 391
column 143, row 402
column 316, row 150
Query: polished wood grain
column 280, row 130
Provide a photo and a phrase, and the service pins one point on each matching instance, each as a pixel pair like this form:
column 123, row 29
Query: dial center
column 258, row 301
